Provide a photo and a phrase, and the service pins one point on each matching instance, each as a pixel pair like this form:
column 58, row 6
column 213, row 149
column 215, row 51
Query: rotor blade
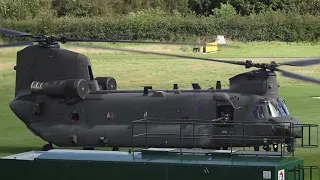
column 298, row 76
column 14, row 44
column 306, row 62
column 130, row 41
column 13, row 32
column 162, row 54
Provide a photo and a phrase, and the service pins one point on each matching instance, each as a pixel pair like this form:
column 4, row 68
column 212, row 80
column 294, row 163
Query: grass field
column 133, row 71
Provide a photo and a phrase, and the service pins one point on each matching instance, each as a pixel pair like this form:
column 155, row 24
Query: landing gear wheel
column 256, row 148
column 275, row 147
column 290, row 148
column 115, row 149
column 88, row 148
column 46, row 147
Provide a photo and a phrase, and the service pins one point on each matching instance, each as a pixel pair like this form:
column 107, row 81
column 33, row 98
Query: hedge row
column 271, row 26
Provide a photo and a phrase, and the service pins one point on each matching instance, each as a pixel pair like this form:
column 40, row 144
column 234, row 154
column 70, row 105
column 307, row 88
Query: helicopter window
column 284, row 106
column 273, row 111
column 282, row 110
column 286, row 109
column 225, row 111
column 90, row 73
column 259, row 112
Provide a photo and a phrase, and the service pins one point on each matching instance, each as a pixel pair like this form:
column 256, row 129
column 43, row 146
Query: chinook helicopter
column 58, row 98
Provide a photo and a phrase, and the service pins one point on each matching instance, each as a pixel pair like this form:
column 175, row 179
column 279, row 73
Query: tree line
column 21, row 9
column 166, row 20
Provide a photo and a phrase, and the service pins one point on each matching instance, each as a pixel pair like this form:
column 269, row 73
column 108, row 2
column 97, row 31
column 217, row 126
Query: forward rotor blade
column 306, row 62
column 14, row 44
column 163, row 54
column 130, row 41
column 13, row 32
column 298, row 76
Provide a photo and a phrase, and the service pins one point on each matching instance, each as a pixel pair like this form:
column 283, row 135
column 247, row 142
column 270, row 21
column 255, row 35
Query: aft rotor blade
column 13, row 32
column 163, row 54
column 298, row 76
column 306, row 62
column 14, row 44
column 130, row 41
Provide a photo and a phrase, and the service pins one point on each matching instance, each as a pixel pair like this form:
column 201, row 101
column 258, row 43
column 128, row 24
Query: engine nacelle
column 107, row 83
column 62, row 88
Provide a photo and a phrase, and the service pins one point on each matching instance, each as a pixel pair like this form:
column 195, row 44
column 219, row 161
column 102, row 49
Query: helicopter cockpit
column 267, row 108
column 276, row 111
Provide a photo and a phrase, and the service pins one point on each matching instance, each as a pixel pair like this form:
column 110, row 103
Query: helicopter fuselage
column 105, row 119
column 59, row 100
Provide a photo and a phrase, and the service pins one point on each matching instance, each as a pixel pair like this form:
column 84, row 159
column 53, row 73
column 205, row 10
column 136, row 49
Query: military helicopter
column 58, row 98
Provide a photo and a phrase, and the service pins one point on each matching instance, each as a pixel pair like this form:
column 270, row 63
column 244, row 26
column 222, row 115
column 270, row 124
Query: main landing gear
column 275, row 147
column 47, row 147
column 290, row 148
column 115, row 149
column 88, row 148
column 267, row 148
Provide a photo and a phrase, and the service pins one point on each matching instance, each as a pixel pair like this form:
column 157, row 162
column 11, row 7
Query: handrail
column 282, row 138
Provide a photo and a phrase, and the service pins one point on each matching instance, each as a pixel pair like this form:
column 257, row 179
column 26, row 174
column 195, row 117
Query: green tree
column 308, row 6
column 19, row 9
column 205, row 7
column 225, row 11
column 247, row 7
column 85, row 8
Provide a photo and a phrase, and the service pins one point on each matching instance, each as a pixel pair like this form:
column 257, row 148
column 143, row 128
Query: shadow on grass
column 15, row 150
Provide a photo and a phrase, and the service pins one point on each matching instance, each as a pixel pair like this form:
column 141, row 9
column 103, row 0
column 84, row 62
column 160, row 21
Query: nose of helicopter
column 296, row 127
column 291, row 124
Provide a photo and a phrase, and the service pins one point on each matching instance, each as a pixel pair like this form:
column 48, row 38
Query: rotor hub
column 265, row 66
column 50, row 40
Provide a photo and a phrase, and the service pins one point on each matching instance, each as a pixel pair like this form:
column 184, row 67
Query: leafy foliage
column 19, row 9
column 225, row 11
column 164, row 20
column 22, row 9
column 155, row 24
column 247, row 7
column 87, row 8
column 308, row 7
column 83, row 8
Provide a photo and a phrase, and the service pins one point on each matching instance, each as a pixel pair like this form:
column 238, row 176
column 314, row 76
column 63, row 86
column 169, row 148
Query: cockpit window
column 267, row 108
column 284, row 106
column 282, row 110
column 261, row 113
column 273, row 110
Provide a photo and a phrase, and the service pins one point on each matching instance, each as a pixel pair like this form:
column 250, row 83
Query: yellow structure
column 211, row 47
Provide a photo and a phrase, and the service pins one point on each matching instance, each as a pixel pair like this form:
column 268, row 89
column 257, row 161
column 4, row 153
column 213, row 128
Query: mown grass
column 133, row 71
column 232, row 49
